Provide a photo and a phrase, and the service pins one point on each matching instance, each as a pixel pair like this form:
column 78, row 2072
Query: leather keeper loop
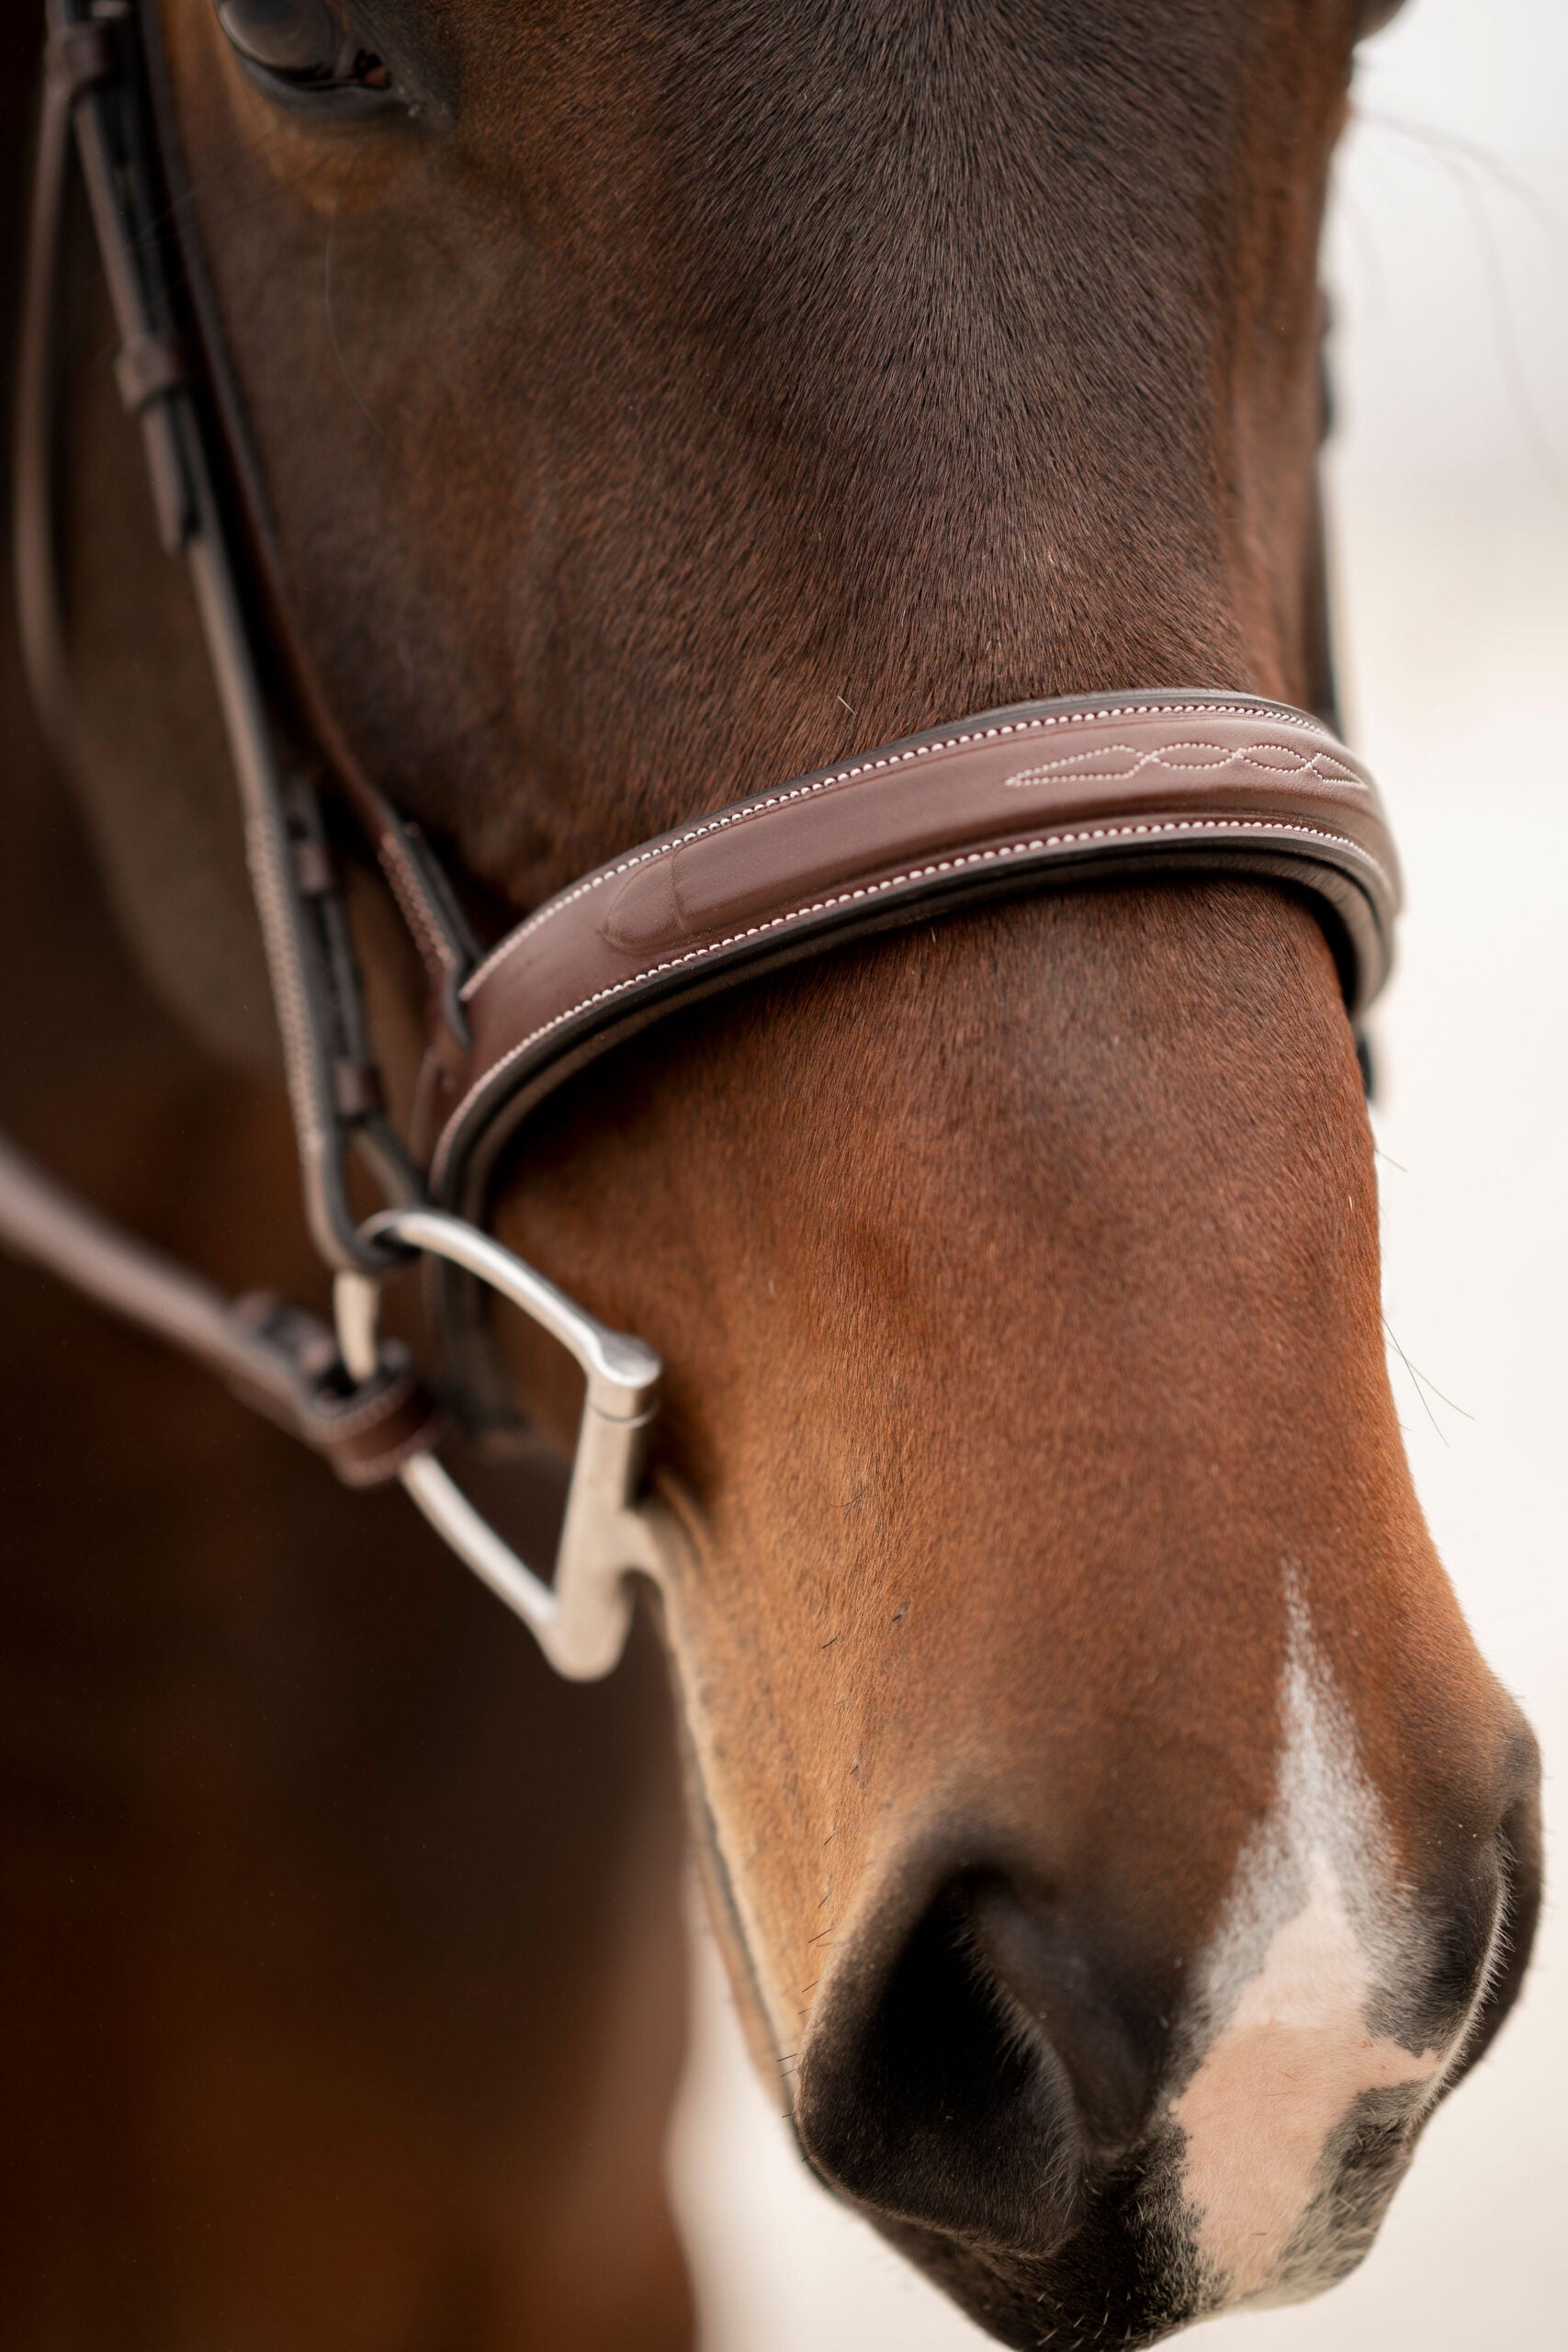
column 83, row 56
column 312, row 868
column 368, row 1441
column 366, row 1431
column 356, row 1090
column 149, row 368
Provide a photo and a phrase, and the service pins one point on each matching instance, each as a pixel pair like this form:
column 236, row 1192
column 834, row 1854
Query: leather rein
column 1163, row 782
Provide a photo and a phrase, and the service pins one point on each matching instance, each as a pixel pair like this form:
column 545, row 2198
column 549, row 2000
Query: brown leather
column 368, row 1433
column 1163, row 782
column 281, row 1360
column 274, row 1356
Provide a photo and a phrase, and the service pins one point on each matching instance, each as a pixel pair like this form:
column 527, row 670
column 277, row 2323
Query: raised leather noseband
column 1159, row 782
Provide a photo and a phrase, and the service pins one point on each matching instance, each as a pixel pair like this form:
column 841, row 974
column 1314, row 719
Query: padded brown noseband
column 1156, row 782
column 1149, row 783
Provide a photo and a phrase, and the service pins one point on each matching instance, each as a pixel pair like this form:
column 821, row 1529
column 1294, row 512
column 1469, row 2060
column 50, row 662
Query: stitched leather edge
column 746, row 811
column 1240, row 829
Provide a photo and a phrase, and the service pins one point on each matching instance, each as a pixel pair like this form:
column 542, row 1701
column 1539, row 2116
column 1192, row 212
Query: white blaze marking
column 1291, row 2063
column 1314, row 1930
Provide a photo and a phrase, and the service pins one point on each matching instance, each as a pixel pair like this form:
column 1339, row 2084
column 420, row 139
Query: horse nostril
column 929, row 2096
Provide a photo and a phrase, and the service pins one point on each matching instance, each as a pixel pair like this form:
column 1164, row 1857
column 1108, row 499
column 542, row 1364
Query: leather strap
column 278, row 1358
column 1165, row 782
column 97, row 101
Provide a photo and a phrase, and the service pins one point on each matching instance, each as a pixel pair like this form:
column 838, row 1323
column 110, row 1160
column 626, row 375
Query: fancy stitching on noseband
column 1104, row 837
column 898, row 834
column 777, row 795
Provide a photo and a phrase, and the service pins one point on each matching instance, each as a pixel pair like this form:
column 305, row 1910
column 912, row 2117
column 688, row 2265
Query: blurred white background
column 1448, row 262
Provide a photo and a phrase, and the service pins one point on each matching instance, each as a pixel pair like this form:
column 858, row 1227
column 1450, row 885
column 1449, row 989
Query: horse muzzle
column 1039, row 2105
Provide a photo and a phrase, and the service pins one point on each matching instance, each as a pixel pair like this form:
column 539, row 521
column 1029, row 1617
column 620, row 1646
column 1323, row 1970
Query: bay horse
column 1117, row 1842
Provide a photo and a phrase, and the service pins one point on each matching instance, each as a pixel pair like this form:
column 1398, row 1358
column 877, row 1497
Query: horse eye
column 302, row 45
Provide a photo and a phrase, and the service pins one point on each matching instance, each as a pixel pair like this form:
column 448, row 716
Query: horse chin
column 1112, row 2283
column 1114, row 2254
column 1131, row 2274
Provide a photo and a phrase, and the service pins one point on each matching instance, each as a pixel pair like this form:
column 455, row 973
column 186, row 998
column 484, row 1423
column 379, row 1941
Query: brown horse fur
column 686, row 395
column 340, row 1942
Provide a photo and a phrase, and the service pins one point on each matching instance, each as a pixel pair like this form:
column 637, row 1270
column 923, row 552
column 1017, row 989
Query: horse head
column 1118, row 1842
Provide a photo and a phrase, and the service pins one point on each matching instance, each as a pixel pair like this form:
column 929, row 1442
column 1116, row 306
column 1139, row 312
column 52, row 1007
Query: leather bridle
column 1145, row 783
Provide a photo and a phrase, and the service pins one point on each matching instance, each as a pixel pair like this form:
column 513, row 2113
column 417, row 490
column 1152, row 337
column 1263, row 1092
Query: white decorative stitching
column 1246, row 828
column 1321, row 765
column 725, row 818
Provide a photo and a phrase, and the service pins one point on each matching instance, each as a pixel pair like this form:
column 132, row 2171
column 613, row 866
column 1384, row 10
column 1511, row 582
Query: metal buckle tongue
column 579, row 1618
